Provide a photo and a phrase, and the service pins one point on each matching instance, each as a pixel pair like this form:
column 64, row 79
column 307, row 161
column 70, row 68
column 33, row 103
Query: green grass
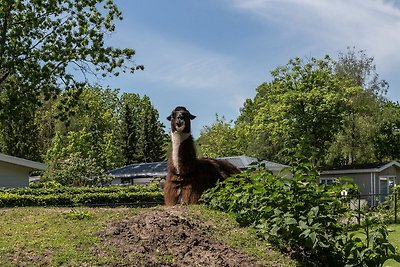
column 394, row 238
column 55, row 236
column 38, row 236
column 244, row 239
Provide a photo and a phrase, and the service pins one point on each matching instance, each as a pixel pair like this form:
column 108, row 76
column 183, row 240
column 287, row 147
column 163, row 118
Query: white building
column 14, row 172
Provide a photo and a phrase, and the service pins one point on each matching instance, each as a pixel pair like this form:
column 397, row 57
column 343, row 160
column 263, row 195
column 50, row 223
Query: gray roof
column 273, row 166
column 242, row 162
column 33, row 165
column 361, row 168
column 155, row 169
column 141, row 170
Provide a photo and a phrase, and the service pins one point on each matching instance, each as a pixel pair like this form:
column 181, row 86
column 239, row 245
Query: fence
column 372, row 202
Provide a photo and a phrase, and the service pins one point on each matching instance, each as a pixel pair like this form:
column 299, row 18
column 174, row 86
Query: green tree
column 356, row 68
column 299, row 112
column 143, row 135
column 387, row 139
column 220, row 139
column 43, row 41
column 327, row 112
column 356, row 142
column 152, row 136
column 130, row 125
column 18, row 132
column 91, row 130
column 47, row 47
column 73, row 164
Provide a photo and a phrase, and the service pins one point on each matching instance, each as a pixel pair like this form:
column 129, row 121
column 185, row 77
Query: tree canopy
column 318, row 110
column 44, row 44
column 97, row 136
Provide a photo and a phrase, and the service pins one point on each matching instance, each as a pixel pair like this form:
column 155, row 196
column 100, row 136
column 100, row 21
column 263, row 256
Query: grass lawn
column 69, row 236
column 394, row 238
column 55, row 236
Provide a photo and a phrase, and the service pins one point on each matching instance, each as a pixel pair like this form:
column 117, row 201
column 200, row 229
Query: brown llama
column 188, row 177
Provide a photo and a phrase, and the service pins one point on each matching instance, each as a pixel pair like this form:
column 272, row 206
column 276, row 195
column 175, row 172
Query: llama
column 188, row 176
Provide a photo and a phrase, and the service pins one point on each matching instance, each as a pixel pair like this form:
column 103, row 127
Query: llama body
column 188, row 177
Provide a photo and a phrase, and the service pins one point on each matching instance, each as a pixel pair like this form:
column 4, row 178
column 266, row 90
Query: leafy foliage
column 331, row 113
column 94, row 139
column 298, row 112
column 219, row 140
column 298, row 215
column 372, row 247
column 143, row 134
column 387, row 138
column 18, row 131
column 368, row 112
column 49, row 47
column 41, row 41
column 54, row 194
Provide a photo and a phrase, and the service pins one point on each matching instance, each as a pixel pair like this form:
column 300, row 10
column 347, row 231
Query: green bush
column 297, row 214
column 57, row 195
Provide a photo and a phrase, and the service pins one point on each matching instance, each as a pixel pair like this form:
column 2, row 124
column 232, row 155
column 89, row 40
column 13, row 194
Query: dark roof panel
column 242, row 162
column 141, row 170
column 359, row 166
column 152, row 169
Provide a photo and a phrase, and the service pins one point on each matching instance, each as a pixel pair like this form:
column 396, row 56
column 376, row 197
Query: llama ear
column 169, row 118
column 192, row 116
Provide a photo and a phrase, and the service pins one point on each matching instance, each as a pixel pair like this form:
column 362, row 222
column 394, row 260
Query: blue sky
column 210, row 55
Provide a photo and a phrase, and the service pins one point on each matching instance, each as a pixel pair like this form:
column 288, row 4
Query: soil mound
column 165, row 237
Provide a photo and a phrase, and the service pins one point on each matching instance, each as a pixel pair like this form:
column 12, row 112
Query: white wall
column 13, row 175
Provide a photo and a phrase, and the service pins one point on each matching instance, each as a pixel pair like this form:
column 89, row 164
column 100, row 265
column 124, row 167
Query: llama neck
column 182, row 150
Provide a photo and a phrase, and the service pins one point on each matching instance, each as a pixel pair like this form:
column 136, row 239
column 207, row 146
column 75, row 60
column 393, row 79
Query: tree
column 18, row 132
column 46, row 47
column 299, row 112
column 143, row 135
column 331, row 113
column 91, row 131
column 130, row 118
column 355, row 143
column 41, row 41
column 97, row 133
column 357, row 69
column 73, row 164
column 220, row 139
column 387, row 139
column 151, row 142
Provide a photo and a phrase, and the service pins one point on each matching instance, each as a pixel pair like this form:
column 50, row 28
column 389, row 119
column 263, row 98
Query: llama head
column 180, row 120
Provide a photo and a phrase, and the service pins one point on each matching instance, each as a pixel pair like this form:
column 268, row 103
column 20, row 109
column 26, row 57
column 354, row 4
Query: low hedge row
column 40, row 191
column 68, row 196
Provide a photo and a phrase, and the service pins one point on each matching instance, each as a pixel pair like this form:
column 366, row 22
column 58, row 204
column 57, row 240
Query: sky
column 210, row 55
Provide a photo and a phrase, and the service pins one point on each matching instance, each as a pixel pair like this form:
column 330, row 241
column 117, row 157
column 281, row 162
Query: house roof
column 273, row 166
column 242, row 162
column 153, row 169
column 34, row 165
column 361, row 168
column 140, row 170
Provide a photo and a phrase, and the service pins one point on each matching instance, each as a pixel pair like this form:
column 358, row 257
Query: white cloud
column 181, row 65
column 181, row 73
column 373, row 25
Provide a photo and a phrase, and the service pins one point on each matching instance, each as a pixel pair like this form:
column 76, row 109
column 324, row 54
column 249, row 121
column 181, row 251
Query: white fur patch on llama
column 177, row 138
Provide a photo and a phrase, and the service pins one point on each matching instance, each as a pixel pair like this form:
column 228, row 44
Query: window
column 126, row 181
column 327, row 181
column 386, row 184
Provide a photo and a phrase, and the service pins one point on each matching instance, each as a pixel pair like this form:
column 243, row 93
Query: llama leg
column 190, row 194
column 170, row 194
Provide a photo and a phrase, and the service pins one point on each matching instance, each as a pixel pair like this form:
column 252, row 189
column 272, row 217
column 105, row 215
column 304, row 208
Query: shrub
column 298, row 215
column 67, row 196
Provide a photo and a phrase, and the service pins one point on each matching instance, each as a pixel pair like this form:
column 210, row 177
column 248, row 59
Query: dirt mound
column 165, row 237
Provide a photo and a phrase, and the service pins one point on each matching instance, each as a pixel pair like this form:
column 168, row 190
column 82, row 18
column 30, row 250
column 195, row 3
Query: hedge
column 68, row 196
